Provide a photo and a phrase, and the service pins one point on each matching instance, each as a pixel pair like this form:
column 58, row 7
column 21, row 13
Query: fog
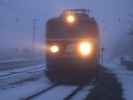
column 114, row 18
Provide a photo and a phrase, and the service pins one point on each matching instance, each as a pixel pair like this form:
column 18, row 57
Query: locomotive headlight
column 85, row 48
column 54, row 48
column 70, row 18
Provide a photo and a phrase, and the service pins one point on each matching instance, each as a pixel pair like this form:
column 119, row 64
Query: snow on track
column 83, row 93
column 19, row 92
column 62, row 93
column 20, row 75
column 57, row 93
column 22, row 90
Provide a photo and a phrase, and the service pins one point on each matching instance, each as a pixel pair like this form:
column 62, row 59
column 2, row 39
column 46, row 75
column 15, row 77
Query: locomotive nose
column 69, row 48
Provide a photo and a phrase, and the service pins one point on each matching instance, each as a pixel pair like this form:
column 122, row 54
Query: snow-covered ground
column 19, row 75
column 27, row 89
column 19, row 63
column 82, row 94
column 19, row 84
column 56, row 94
column 20, row 70
column 125, row 77
column 13, row 60
column 61, row 92
column 19, row 59
column 20, row 91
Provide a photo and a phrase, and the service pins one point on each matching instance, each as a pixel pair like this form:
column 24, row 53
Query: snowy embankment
column 12, row 64
column 125, row 77
column 7, row 78
column 13, row 60
column 21, row 70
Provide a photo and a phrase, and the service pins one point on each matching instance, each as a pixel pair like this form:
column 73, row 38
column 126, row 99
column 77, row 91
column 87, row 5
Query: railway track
column 69, row 97
column 82, row 92
column 41, row 92
column 50, row 89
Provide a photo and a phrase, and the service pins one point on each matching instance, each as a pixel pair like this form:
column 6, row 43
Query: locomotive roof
column 77, row 12
column 83, row 11
column 83, row 14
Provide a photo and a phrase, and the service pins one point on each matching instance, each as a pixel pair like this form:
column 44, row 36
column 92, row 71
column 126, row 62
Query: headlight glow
column 54, row 49
column 85, row 48
column 70, row 18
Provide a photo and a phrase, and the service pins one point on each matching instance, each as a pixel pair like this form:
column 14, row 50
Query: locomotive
column 72, row 46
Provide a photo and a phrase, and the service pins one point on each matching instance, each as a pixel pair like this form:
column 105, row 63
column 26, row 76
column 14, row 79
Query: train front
column 72, row 51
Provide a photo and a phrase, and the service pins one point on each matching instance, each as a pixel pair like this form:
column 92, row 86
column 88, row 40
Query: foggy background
column 114, row 17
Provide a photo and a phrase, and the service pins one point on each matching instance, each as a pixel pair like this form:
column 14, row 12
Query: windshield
column 59, row 29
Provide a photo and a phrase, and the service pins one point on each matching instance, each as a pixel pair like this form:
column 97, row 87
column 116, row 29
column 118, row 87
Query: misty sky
column 16, row 18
